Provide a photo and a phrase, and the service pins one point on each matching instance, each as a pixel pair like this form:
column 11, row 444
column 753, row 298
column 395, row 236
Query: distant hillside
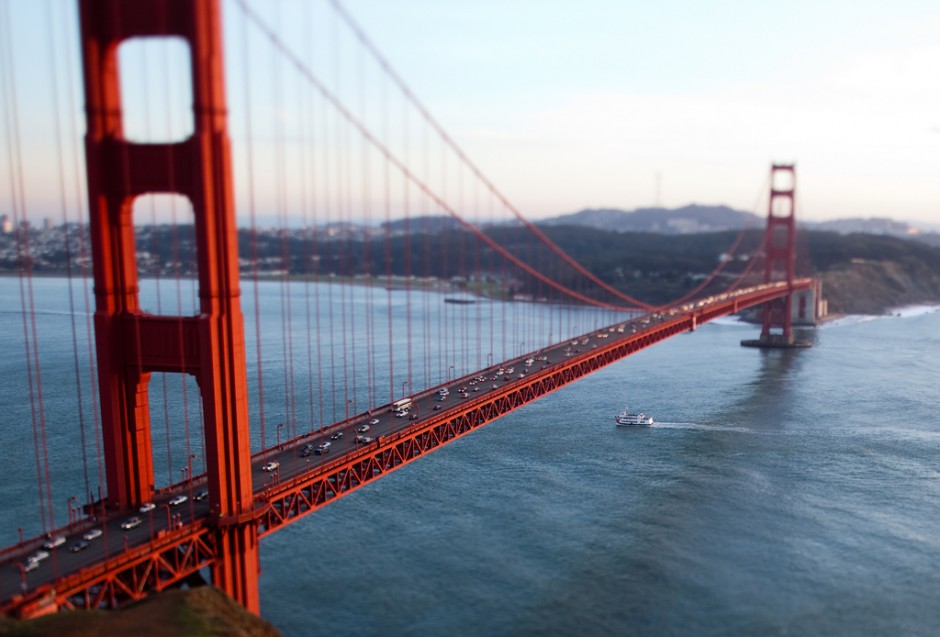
column 691, row 219
column 696, row 219
column 873, row 225
column 879, row 226
column 869, row 274
column 427, row 224
column 861, row 273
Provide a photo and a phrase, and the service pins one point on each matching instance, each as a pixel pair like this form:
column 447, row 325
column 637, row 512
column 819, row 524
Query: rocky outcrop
column 875, row 287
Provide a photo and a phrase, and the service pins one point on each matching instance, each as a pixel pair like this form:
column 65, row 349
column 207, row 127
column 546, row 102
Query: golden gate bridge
column 421, row 379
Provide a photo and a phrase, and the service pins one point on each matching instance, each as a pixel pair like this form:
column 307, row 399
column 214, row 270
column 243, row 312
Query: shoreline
column 434, row 284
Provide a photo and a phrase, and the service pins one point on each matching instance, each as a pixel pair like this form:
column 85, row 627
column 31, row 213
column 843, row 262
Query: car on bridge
column 201, row 495
column 147, row 507
column 363, row 428
column 178, row 500
column 374, row 421
column 53, row 542
column 322, row 449
column 91, row 534
column 79, row 545
column 337, row 435
column 306, row 451
column 38, row 556
column 131, row 523
column 271, row 466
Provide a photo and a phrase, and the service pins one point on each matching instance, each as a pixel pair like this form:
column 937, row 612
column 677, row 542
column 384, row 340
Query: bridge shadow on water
column 767, row 404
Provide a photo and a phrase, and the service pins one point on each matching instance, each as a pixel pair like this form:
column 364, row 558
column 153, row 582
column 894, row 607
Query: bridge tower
column 779, row 259
column 132, row 344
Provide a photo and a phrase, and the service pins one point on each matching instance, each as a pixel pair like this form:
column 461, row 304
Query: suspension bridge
column 362, row 353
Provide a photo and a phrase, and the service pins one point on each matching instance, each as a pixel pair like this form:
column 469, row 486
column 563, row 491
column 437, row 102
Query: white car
column 271, row 466
column 131, row 523
column 147, row 507
column 178, row 500
column 38, row 556
column 91, row 534
column 53, row 542
column 363, row 428
column 374, row 421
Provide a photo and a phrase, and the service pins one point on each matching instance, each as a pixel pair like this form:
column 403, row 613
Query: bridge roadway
column 174, row 542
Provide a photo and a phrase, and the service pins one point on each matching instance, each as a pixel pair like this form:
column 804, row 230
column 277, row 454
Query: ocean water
column 779, row 493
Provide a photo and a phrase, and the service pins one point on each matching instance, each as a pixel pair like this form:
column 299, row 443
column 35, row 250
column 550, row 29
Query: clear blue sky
column 607, row 103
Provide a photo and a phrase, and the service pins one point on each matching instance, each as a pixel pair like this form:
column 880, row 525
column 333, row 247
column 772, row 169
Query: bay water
column 779, row 493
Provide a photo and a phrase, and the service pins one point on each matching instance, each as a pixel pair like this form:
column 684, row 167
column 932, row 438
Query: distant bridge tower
column 779, row 259
column 131, row 344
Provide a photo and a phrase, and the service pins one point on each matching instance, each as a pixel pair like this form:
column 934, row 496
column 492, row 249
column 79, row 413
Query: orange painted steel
column 130, row 344
column 130, row 575
column 780, row 254
column 285, row 502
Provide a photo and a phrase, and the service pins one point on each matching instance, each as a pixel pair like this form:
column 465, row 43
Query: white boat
column 626, row 419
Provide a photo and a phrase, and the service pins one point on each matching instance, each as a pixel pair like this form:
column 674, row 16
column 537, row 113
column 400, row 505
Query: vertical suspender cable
column 83, row 257
column 60, row 167
column 280, row 187
column 253, row 229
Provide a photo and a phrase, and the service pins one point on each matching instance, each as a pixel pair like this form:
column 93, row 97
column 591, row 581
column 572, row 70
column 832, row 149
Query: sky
column 623, row 104
column 568, row 105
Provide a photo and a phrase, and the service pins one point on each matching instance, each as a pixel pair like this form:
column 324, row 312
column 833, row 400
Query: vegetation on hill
column 870, row 274
column 197, row 612
column 861, row 273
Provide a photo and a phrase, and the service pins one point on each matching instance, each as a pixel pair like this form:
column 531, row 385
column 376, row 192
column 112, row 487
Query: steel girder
column 128, row 576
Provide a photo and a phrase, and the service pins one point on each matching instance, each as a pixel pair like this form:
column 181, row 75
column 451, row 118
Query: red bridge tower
column 779, row 259
column 131, row 344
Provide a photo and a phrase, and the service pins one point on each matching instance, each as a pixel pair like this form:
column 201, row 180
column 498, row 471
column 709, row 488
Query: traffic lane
column 112, row 542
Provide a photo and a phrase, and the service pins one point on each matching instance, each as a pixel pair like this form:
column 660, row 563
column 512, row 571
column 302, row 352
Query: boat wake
column 702, row 427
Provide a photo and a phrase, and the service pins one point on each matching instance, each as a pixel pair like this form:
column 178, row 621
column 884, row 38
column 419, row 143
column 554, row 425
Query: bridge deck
column 173, row 543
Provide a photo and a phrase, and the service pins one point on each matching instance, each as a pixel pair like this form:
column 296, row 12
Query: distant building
column 6, row 224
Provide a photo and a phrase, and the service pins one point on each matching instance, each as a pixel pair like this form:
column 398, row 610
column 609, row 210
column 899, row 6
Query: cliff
column 870, row 274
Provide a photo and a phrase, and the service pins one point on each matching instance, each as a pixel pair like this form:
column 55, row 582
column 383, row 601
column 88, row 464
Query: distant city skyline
column 566, row 106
